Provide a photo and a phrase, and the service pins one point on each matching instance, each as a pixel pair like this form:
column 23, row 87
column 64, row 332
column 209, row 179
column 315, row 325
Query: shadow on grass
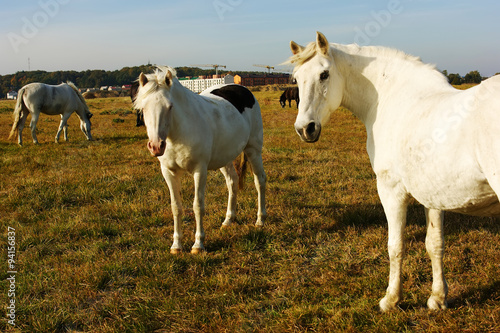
column 476, row 296
column 367, row 216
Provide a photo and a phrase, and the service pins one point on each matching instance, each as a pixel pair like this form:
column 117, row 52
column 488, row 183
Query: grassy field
column 93, row 230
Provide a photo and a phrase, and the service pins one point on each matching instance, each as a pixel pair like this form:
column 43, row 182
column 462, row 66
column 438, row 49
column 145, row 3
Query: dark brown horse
column 133, row 95
column 290, row 94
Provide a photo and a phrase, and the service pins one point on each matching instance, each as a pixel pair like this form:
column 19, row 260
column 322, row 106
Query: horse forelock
column 161, row 71
column 156, row 81
column 302, row 57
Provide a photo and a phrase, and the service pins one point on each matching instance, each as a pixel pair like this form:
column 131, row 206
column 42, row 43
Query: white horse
column 63, row 99
column 426, row 140
column 196, row 133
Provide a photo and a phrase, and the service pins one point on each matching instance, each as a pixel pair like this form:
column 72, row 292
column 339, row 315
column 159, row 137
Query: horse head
column 154, row 99
column 283, row 99
column 320, row 86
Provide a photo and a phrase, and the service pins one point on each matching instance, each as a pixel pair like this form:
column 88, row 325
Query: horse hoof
column 226, row 224
column 197, row 251
column 386, row 306
column 434, row 303
column 175, row 251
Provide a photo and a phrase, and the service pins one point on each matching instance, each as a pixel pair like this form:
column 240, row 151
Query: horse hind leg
column 34, row 121
column 20, row 126
column 232, row 186
column 434, row 244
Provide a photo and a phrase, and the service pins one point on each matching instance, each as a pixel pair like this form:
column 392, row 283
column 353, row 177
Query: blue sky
column 458, row 35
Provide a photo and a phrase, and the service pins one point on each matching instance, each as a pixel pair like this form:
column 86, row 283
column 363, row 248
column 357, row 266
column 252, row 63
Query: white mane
column 80, row 96
column 403, row 64
column 401, row 60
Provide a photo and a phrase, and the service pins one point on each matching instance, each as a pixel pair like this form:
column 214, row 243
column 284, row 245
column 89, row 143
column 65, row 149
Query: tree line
column 126, row 75
column 88, row 78
column 471, row 77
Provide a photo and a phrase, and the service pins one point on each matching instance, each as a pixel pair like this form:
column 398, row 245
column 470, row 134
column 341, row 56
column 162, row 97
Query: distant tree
column 455, row 79
column 473, row 77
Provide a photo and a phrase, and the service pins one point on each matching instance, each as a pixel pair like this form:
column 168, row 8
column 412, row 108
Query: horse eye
column 325, row 75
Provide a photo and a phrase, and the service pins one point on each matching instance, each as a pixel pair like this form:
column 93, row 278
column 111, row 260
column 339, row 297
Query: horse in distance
column 197, row 133
column 63, row 99
column 290, row 94
column 133, row 94
column 425, row 139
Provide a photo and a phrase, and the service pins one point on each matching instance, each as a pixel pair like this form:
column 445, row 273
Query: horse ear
column 143, row 80
column 322, row 43
column 296, row 48
column 168, row 78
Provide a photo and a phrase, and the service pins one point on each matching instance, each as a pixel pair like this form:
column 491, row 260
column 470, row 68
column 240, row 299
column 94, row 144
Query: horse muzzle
column 157, row 148
column 309, row 133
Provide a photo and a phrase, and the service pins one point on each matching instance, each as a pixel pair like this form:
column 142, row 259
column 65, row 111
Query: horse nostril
column 310, row 129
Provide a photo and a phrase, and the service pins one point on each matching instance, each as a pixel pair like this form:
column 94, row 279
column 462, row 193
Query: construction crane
column 214, row 66
column 266, row 66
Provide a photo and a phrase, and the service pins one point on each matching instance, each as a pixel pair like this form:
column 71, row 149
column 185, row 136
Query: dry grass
column 93, row 232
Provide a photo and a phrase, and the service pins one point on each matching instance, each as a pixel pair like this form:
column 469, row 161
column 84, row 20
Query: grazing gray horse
column 63, row 99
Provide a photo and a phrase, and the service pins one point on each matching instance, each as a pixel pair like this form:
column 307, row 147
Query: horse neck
column 374, row 76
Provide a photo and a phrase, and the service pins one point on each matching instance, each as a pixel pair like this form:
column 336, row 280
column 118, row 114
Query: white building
column 197, row 85
column 12, row 94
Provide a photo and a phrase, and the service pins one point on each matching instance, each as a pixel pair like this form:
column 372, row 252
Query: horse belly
column 466, row 193
column 227, row 147
column 486, row 207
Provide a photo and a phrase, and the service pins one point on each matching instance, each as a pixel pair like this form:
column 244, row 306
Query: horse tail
column 18, row 110
column 82, row 99
column 241, row 166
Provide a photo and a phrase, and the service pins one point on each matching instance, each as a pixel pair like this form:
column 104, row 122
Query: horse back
column 50, row 99
column 239, row 96
column 232, row 121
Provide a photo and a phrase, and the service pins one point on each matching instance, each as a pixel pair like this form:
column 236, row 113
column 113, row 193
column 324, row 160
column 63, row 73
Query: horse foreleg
column 434, row 243
column 232, row 186
column 65, row 131
column 259, row 176
column 63, row 126
column 395, row 207
column 200, row 181
column 85, row 128
column 174, row 186
column 34, row 120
